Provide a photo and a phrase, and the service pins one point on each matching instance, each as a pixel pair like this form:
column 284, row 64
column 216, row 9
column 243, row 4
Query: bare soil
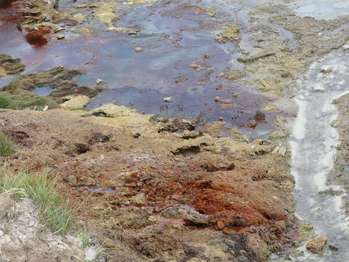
column 153, row 196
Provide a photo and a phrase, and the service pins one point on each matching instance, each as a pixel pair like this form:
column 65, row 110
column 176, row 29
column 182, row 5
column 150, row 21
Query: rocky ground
column 155, row 187
column 24, row 238
column 151, row 193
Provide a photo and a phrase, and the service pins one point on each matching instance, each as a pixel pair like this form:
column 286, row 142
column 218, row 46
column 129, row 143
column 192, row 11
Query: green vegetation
column 84, row 239
column 6, row 146
column 24, row 99
column 38, row 187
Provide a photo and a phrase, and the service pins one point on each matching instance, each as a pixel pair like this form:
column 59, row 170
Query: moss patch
column 59, row 79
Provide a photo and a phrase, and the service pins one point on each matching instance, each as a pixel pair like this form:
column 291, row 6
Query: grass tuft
column 24, row 99
column 38, row 187
column 84, row 238
column 6, row 146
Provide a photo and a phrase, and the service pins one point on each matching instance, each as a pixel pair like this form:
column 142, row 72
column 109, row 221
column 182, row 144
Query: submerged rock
column 9, row 65
column 59, row 79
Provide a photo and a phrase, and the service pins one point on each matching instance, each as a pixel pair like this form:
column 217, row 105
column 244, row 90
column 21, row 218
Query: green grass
column 84, row 238
column 24, row 99
column 53, row 210
column 6, row 146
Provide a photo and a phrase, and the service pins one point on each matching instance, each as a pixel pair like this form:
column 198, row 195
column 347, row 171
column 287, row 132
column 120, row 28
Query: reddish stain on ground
column 213, row 199
column 228, row 206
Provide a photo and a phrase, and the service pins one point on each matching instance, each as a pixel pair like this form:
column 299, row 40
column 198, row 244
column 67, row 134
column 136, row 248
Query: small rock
column 139, row 49
column 187, row 134
column 139, row 199
column 59, row 29
column 195, row 66
column 76, row 102
column 214, row 167
column 187, row 150
column 111, row 110
column 60, row 37
column 175, row 125
column 168, row 99
column 187, row 213
column 252, row 124
column 152, row 219
column 326, row 70
column 99, row 81
column 220, row 100
column 211, row 12
column 316, row 245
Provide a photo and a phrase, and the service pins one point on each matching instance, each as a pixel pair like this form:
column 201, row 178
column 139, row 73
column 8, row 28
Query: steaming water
column 313, row 143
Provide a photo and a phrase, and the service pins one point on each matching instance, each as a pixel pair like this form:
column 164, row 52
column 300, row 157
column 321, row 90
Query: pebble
column 139, row 49
column 60, row 37
column 168, row 99
column 99, row 81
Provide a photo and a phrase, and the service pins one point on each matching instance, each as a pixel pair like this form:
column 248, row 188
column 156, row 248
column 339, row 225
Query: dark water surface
column 180, row 59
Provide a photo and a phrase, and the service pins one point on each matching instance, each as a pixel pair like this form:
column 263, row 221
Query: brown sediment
column 123, row 174
column 124, row 186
